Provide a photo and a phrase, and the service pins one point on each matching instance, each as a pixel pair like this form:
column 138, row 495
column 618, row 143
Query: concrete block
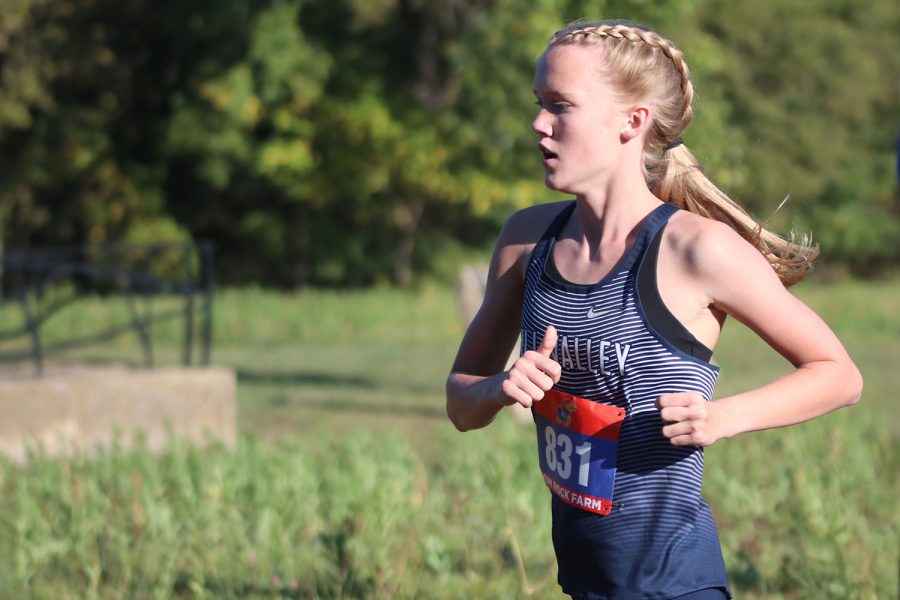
column 72, row 410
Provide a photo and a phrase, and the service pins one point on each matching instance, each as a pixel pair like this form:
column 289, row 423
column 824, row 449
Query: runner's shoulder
column 526, row 226
column 704, row 243
column 521, row 233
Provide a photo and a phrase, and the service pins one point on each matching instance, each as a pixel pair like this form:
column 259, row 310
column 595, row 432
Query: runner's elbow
column 455, row 417
column 452, row 406
column 459, row 419
column 467, row 409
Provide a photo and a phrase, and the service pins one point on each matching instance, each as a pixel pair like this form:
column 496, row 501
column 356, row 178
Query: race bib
column 578, row 442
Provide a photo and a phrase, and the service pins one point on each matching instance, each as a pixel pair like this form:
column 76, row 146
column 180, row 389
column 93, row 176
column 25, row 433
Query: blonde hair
column 642, row 64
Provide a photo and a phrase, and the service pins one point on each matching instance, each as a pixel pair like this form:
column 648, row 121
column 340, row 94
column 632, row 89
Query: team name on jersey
column 583, row 353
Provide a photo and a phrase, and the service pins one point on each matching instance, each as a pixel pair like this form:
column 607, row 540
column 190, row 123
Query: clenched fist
column 687, row 419
column 533, row 374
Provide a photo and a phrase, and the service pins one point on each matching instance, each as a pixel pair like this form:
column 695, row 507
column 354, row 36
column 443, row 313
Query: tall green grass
column 348, row 481
column 361, row 516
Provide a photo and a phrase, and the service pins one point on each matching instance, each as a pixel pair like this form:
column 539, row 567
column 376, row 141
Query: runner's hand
column 686, row 418
column 533, row 374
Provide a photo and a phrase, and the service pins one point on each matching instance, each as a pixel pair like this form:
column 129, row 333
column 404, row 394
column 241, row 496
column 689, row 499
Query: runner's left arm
column 740, row 281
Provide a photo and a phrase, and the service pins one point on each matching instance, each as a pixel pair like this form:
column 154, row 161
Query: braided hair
column 640, row 63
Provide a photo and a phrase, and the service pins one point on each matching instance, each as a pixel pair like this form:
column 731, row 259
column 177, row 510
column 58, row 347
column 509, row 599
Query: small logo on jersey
column 594, row 314
column 564, row 411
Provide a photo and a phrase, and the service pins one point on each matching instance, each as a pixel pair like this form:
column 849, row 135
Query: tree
column 813, row 88
column 322, row 142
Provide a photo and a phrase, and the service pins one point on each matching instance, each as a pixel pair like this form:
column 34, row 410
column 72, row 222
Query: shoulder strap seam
column 552, row 231
column 655, row 223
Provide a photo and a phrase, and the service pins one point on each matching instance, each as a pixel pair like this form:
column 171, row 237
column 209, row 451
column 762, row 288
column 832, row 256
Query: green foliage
column 346, row 142
column 812, row 87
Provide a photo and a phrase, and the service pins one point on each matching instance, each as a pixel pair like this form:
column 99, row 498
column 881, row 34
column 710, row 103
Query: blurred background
column 348, row 143
column 346, row 159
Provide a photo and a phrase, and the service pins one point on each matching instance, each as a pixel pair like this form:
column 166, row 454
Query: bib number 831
column 558, row 453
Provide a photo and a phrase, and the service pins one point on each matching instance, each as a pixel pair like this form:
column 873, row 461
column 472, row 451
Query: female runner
column 620, row 296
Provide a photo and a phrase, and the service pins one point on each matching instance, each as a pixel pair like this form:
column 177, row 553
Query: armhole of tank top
column 658, row 315
column 550, row 266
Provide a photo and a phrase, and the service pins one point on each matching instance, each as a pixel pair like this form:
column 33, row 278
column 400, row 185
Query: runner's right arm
column 478, row 387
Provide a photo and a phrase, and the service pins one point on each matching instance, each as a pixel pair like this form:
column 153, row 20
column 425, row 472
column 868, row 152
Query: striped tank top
column 659, row 540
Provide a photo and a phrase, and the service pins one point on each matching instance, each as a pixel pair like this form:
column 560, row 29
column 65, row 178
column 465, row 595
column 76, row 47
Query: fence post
column 207, row 268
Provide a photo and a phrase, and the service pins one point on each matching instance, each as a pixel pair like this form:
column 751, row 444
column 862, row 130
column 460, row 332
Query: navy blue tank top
column 659, row 541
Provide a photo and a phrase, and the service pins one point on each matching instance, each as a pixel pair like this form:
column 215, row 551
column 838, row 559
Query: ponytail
column 677, row 178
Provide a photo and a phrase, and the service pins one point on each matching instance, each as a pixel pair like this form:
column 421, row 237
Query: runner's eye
column 553, row 107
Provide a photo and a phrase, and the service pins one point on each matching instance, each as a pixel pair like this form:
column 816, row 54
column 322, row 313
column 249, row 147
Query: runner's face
column 580, row 122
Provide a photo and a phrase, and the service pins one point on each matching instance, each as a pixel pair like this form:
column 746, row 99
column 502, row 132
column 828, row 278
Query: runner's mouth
column 547, row 154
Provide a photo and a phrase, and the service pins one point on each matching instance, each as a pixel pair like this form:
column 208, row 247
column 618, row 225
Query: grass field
column 349, row 482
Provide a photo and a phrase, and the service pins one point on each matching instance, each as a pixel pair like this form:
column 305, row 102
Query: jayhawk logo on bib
column 564, row 411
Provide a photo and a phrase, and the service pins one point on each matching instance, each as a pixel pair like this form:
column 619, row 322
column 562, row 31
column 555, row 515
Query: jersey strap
column 552, row 231
column 578, row 443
